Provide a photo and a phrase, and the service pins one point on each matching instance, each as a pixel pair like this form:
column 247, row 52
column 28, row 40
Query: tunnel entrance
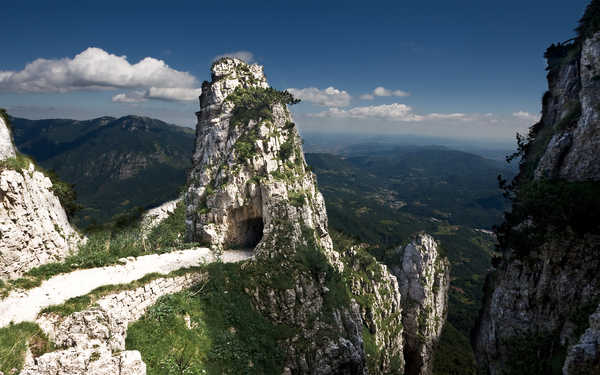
column 245, row 227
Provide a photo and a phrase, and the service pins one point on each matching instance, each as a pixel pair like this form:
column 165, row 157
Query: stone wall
column 93, row 340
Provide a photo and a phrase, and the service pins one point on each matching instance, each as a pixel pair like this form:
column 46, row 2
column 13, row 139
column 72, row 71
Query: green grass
column 14, row 340
column 227, row 335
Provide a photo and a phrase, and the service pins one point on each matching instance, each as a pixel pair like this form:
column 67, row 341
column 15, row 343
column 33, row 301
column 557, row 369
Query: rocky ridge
column 34, row 228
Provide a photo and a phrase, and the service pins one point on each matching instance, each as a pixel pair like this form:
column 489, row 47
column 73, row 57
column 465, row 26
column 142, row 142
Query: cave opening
column 246, row 227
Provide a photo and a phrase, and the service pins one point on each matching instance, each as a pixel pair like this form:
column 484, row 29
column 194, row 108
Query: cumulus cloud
column 382, row 91
column 246, row 56
column 392, row 112
column 522, row 115
column 96, row 69
column 329, row 97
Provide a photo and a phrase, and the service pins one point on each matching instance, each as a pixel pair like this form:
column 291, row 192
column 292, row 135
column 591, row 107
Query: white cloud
column 382, row 91
column 132, row 97
column 96, row 69
column 392, row 112
column 246, row 56
column 329, row 97
column 527, row 116
column 93, row 69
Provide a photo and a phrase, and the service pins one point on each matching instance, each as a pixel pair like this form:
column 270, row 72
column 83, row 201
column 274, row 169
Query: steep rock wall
column 547, row 282
column 34, row 228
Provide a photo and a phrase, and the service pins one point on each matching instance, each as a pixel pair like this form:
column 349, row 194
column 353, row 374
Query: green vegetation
column 535, row 354
column 542, row 209
column 453, row 355
column 589, row 24
column 14, row 340
column 287, row 148
column 226, row 334
column 297, row 198
column 254, row 103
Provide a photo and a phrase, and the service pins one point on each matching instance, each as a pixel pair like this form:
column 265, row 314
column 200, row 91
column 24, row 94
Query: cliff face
column 7, row 149
column 250, row 187
column 34, row 228
column 547, row 283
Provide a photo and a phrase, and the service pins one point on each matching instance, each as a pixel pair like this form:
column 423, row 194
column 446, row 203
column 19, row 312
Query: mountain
column 115, row 164
column 541, row 305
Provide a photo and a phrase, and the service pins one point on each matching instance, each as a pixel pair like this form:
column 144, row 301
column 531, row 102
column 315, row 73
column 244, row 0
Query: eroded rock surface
column 34, row 228
column 7, row 148
column 424, row 279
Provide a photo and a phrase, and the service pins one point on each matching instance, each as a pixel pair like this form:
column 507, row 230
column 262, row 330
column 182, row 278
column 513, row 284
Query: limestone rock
column 7, row 149
column 424, row 279
column 34, row 228
column 250, row 187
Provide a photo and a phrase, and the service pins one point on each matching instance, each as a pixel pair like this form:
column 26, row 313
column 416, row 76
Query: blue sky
column 470, row 69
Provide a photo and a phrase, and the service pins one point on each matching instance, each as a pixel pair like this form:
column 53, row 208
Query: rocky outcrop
column 571, row 114
column 584, row 357
column 250, row 187
column 547, row 283
column 93, row 340
column 34, row 228
column 7, row 148
column 424, row 279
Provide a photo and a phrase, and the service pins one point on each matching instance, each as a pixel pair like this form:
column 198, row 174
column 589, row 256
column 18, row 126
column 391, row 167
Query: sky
column 459, row 69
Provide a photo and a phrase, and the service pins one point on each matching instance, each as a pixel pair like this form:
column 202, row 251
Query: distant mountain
column 116, row 164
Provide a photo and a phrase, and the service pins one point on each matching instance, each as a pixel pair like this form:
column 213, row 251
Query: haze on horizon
column 467, row 70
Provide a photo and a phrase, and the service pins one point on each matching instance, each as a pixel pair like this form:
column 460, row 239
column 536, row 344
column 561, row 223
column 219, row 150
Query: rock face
column 7, row 149
column 574, row 95
column 584, row 356
column 424, row 279
column 250, row 187
column 34, row 228
column 539, row 298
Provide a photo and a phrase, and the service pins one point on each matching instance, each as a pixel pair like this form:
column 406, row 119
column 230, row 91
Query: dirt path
column 25, row 306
